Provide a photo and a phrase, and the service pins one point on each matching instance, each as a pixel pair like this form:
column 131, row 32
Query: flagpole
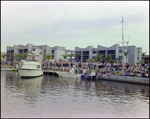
column 122, row 43
column 128, row 42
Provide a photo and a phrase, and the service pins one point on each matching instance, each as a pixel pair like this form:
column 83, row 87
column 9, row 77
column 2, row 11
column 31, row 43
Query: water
column 50, row 96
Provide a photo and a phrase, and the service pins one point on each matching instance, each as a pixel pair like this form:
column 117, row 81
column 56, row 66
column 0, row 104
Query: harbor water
column 49, row 96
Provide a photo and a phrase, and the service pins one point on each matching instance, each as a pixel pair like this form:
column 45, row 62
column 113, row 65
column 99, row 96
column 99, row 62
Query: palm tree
column 18, row 56
column 13, row 55
column 98, row 57
column 3, row 56
column 65, row 56
column 107, row 58
column 30, row 53
column 125, row 54
column 90, row 60
column 41, row 52
column 117, row 60
column 25, row 55
column 78, row 54
column 48, row 56
column 60, row 60
column 71, row 55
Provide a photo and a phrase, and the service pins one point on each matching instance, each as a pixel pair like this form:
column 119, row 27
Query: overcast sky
column 74, row 23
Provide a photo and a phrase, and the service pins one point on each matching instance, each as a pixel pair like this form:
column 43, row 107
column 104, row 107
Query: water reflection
column 26, row 88
column 62, row 94
column 32, row 87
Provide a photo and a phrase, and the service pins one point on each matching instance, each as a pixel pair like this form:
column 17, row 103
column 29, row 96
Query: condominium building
column 23, row 49
column 56, row 52
column 134, row 55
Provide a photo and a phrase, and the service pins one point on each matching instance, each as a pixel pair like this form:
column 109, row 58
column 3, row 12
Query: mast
column 122, row 43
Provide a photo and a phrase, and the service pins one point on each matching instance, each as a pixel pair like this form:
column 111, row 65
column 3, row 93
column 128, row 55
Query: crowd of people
column 123, row 69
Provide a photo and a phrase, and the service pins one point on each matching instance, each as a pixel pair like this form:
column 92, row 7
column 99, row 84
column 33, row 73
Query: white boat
column 30, row 69
column 6, row 69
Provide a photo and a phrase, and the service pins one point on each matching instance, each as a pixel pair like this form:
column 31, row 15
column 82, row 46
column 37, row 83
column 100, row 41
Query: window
column 38, row 66
column 94, row 52
column 12, row 51
column 52, row 51
column 44, row 51
column 85, row 52
column 103, row 52
column 25, row 50
column 85, row 58
column 120, row 57
column 20, row 51
column 120, row 51
column 111, row 52
column 33, row 50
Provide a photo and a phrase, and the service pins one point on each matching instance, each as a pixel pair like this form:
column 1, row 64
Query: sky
column 74, row 23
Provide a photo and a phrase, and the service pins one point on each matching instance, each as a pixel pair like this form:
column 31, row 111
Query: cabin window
column 38, row 66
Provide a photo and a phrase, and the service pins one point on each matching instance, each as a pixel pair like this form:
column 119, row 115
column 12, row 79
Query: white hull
column 6, row 69
column 30, row 73
column 67, row 75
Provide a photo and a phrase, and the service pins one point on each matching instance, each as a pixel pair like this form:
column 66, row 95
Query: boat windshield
column 27, row 66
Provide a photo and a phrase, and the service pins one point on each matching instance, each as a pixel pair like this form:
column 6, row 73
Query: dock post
column 69, row 65
column 61, row 66
column 77, row 69
column 97, row 71
column 54, row 68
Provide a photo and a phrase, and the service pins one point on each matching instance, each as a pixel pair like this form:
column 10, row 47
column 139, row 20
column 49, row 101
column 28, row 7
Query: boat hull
column 30, row 73
column 67, row 75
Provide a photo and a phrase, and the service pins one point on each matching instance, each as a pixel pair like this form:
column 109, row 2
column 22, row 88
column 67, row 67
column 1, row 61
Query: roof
column 79, row 48
column 102, row 46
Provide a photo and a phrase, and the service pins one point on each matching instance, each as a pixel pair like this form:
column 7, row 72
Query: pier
column 127, row 79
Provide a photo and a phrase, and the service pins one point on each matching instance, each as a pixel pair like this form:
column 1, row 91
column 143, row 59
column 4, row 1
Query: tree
column 98, row 57
column 90, row 60
column 65, row 56
column 125, row 54
column 107, row 58
column 25, row 55
column 13, row 55
column 78, row 54
column 48, row 56
column 30, row 53
column 71, row 55
column 117, row 60
column 41, row 52
column 3, row 56
column 143, row 54
column 17, row 56
column 60, row 60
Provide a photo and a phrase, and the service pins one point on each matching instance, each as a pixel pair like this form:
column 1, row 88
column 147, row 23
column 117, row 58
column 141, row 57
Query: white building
column 134, row 55
column 56, row 52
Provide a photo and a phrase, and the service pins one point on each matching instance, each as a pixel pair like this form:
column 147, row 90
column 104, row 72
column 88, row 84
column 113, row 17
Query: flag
column 117, row 47
column 127, row 42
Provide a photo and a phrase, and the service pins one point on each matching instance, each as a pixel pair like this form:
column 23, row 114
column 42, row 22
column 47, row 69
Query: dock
column 127, row 79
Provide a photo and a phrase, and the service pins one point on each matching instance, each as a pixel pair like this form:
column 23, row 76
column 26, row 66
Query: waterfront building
column 23, row 49
column 56, row 52
column 134, row 55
